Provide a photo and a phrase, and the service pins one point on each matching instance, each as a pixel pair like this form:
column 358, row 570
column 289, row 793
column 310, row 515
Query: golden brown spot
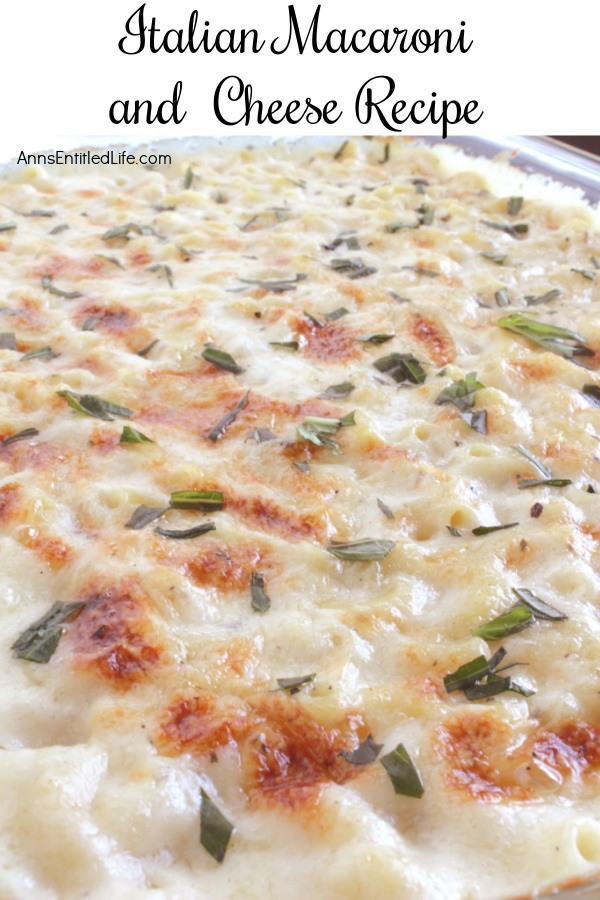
column 291, row 756
column 113, row 635
column 9, row 502
column 201, row 724
column 139, row 258
column 52, row 550
column 270, row 517
column 435, row 338
column 573, row 749
column 113, row 319
column 537, row 368
column 225, row 568
column 475, row 746
column 332, row 342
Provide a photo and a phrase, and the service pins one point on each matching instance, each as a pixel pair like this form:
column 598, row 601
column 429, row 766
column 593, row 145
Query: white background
column 532, row 66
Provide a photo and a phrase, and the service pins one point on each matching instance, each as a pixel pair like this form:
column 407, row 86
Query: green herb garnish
column 498, row 258
column 293, row 685
column 497, row 684
column 559, row 340
column 532, row 300
column 302, row 467
column 469, row 673
column 353, row 268
column 90, row 323
column 338, row 313
column 123, row 231
column 514, row 230
column 365, row 754
column 539, row 608
column 525, row 483
column 143, row 515
column 429, row 273
column 318, row 430
column 454, row 531
column 461, row 394
column 188, row 178
column 260, row 599
column 279, row 285
column 385, row 509
column 514, row 206
column 337, row 391
column 186, row 532
column 502, row 297
column 41, row 353
column 402, row 772
column 591, row 276
column 487, row 529
column 285, row 345
column 48, row 285
column 401, row 367
column 38, row 642
column 215, row 829
column 146, row 350
column 363, row 550
column 221, row 359
column 131, row 435
column 20, row 436
column 393, row 227
column 202, row 500
column 260, row 435
column 223, row 424
column 166, row 271
column 91, row 405
column 514, row 620
column 375, row 338
column 8, row 226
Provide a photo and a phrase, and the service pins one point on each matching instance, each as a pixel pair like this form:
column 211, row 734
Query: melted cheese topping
column 166, row 681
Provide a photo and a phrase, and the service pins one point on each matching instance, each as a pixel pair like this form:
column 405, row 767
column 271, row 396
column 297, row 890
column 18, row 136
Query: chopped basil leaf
column 143, row 515
column 425, row 214
column 223, row 424
column 346, row 238
column 513, row 230
column 293, row 685
column 502, row 297
column 498, row 258
column 375, row 338
column 39, row 214
column 340, row 152
column 58, row 229
column 21, row 436
column 401, row 367
column 514, row 620
column 338, row 313
column 277, row 286
column 303, row 467
column 385, row 509
column 221, row 359
column 496, row 684
column 558, row 340
column 402, row 772
column 8, row 340
column 312, row 319
column 131, row 435
column 91, row 405
column 366, row 753
column 260, row 599
column 186, row 532
column 353, row 268
column 542, row 469
column 591, row 391
column 543, row 298
column 146, row 350
column 591, row 276
column 393, row 227
column 215, row 829
column 462, row 394
column 285, row 345
column 166, row 270
column 363, row 550
column 188, row 178
column 514, row 206
column 539, row 608
column 317, row 429
column 49, row 286
column 260, row 435
column 41, row 353
column 111, row 259
column 38, row 642
column 8, row 226
column 487, row 529
column 525, row 483
column 336, row 391
column 429, row 273
column 90, row 323
column 123, row 231
column 454, row 531
column 203, row 500
column 467, row 674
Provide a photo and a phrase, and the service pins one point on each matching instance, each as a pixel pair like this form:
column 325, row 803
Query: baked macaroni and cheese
column 298, row 528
